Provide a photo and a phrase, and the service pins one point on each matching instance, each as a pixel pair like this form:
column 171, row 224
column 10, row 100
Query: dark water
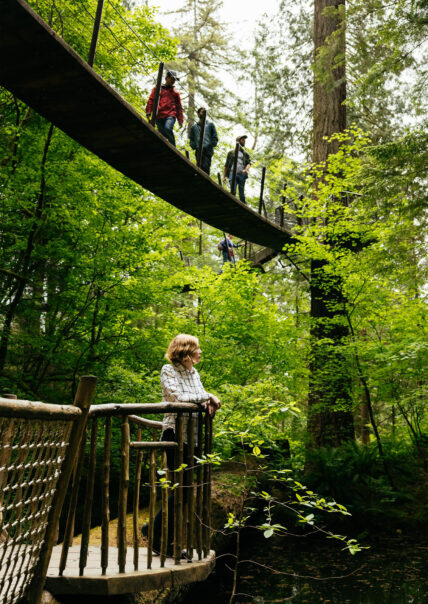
column 313, row 571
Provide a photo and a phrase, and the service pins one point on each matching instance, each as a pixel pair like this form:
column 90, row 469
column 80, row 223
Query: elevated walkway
column 44, row 72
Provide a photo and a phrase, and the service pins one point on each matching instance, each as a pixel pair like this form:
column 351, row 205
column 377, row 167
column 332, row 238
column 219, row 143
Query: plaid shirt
column 181, row 385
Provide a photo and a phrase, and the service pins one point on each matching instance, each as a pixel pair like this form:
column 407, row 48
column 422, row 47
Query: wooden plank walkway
column 43, row 71
column 115, row 583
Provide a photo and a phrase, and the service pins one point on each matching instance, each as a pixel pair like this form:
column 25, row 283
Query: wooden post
column 157, row 95
column 95, row 32
column 178, row 500
column 152, row 506
column 201, row 140
column 206, row 503
column 6, row 454
column 235, row 165
column 262, row 186
column 69, row 526
column 190, row 486
column 165, row 519
column 284, row 188
column 199, row 488
column 210, row 443
column 123, row 495
column 137, row 499
column 89, row 496
column 105, row 502
column 84, row 397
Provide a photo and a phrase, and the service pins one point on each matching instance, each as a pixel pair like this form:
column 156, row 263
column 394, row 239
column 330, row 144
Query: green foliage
column 354, row 475
column 128, row 43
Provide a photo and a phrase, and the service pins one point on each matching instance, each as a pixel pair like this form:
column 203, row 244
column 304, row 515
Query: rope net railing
column 32, row 451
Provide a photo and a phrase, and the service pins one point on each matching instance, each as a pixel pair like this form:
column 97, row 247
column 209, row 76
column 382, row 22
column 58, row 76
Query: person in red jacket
column 169, row 108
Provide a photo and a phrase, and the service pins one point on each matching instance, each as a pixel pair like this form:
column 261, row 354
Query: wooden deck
column 43, row 71
column 115, row 583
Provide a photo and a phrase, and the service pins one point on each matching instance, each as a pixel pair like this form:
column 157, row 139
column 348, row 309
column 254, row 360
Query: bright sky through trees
column 241, row 16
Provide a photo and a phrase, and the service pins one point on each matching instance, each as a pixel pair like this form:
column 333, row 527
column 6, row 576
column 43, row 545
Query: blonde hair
column 181, row 348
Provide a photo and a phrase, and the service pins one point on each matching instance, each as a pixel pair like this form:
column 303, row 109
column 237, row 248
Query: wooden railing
column 188, row 483
column 38, row 445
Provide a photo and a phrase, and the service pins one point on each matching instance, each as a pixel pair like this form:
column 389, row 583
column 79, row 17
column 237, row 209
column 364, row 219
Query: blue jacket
column 228, row 255
column 210, row 136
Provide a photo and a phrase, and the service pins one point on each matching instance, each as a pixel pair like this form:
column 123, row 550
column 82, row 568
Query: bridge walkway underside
column 43, row 71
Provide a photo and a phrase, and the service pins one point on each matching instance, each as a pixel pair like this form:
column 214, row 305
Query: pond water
column 309, row 570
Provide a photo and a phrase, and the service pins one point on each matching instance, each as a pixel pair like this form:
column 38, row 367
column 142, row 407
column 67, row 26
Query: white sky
column 240, row 15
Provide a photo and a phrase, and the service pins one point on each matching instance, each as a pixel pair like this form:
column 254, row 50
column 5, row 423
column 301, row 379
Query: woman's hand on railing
column 212, row 405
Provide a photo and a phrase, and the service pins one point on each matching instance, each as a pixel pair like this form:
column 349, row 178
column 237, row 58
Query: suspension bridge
column 47, row 74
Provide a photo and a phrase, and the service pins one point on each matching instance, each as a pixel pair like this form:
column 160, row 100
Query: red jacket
column 169, row 103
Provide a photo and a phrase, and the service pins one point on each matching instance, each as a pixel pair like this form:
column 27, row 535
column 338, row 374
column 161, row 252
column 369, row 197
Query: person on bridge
column 242, row 168
column 180, row 384
column 226, row 246
column 210, row 139
column 169, row 107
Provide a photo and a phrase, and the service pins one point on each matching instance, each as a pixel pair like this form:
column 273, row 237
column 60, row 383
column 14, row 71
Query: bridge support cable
column 95, row 32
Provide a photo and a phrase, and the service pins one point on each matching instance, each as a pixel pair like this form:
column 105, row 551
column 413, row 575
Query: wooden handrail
column 142, row 421
column 111, row 409
column 163, row 444
column 82, row 401
column 37, row 410
column 187, row 513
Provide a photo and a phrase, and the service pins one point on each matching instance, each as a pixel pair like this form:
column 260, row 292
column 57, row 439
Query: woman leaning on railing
column 180, row 384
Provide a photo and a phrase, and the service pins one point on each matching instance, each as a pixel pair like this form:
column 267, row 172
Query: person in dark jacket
column 242, row 168
column 210, row 140
column 227, row 246
column 169, row 107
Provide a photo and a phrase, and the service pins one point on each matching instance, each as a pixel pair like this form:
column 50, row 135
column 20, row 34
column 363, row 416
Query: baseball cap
column 173, row 74
column 238, row 138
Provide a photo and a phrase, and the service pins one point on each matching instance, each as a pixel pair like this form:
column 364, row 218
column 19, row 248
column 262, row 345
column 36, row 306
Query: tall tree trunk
column 330, row 419
column 329, row 91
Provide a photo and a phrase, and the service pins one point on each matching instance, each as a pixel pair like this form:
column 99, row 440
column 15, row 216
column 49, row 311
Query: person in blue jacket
column 226, row 246
column 210, row 139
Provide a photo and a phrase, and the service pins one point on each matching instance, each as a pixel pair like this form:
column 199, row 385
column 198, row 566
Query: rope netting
column 31, row 455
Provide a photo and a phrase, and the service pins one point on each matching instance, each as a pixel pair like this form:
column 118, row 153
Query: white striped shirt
column 181, row 385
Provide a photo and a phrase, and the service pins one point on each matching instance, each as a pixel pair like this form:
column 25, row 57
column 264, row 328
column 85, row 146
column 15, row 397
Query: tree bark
column 329, row 91
column 330, row 419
